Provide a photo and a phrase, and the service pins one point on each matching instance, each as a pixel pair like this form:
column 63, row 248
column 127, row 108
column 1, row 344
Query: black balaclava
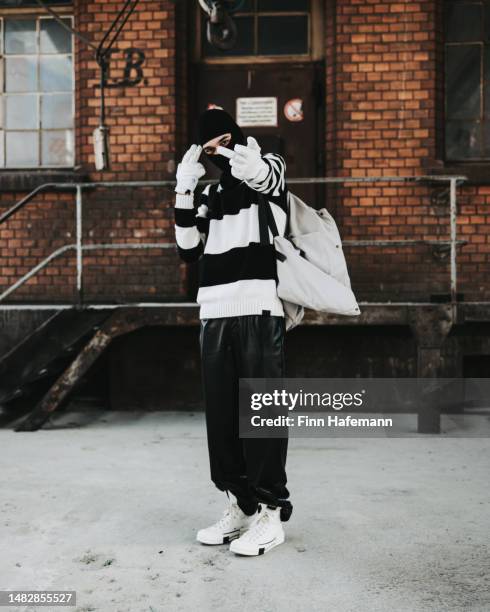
column 213, row 123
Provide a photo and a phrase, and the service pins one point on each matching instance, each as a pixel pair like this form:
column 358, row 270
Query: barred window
column 37, row 114
column 467, row 80
column 267, row 28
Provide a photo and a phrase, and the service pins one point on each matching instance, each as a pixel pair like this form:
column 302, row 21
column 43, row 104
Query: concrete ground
column 108, row 504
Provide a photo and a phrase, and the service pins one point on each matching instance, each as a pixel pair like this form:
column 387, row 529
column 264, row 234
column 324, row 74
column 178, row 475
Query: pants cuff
column 248, row 507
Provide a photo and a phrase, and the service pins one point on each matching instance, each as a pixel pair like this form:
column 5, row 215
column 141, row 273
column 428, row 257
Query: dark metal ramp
column 96, row 331
column 31, row 367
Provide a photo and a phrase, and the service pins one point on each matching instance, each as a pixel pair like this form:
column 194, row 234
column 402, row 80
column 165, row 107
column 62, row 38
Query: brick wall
column 143, row 127
column 384, row 75
column 141, row 117
column 41, row 228
column 474, row 258
column 384, row 94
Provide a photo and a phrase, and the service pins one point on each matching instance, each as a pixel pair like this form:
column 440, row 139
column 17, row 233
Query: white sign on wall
column 255, row 112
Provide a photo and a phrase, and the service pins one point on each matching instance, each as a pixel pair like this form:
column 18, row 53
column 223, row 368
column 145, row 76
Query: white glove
column 189, row 171
column 247, row 163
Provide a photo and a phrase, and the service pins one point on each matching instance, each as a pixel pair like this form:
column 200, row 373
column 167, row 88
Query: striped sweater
column 237, row 275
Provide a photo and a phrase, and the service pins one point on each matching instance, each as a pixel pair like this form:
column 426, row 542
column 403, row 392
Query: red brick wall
column 384, row 81
column 383, row 117
column 41, row 228
column 141, row 118
column 142, row 122
column 474, row 258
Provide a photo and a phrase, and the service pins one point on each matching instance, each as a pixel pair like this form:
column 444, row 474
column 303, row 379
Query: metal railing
column 80, row 248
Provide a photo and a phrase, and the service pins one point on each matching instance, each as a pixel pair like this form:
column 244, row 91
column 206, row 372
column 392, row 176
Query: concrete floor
column 108, row 504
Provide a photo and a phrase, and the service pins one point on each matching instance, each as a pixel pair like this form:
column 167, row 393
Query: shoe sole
column 260, row 550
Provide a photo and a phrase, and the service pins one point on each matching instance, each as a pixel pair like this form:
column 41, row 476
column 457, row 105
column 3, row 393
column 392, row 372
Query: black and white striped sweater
column 237, row 275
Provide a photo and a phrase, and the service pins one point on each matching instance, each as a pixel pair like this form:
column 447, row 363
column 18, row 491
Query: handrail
column 80, row 248
column 292, row 181
column 72, row 247
column 30, row 196
column 33, row 271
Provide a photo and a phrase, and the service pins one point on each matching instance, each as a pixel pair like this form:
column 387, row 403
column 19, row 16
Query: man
column 242, row 325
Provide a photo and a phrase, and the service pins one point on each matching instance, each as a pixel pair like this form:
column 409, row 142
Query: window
column 467, row 82
column 37, row 116
column 266, row 28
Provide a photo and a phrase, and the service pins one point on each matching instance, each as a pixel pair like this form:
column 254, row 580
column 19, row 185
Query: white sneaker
column 231, row 525
column 265, row 533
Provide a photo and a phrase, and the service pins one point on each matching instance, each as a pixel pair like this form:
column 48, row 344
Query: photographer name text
column 302, row 420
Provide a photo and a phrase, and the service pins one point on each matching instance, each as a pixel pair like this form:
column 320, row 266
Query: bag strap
column 270, row 219
column 263, row 220
column 288, row 213
column 266, row 220
column 263, row 229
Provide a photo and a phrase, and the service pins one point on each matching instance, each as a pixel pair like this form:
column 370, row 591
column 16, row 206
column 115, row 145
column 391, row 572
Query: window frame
column 315, row 39
column 463, row 161
column 65, row 11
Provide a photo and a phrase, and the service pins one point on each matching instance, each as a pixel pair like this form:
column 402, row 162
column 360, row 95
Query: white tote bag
column 311, row 268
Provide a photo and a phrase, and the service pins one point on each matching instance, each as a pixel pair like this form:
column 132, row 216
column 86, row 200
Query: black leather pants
column 253, row 469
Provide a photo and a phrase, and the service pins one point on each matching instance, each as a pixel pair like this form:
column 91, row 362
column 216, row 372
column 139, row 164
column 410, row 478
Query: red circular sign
column 293, row 110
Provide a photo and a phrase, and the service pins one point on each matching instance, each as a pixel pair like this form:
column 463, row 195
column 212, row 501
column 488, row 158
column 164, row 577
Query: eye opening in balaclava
column 215, row 122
